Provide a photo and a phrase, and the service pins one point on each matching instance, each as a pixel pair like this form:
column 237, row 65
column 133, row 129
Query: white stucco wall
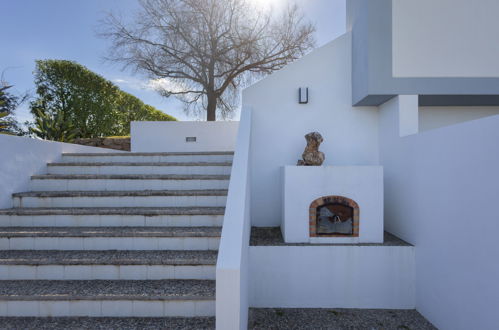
column 23, row 157
column 445, row 38
column 170, row 136
column 304, row 184
column 441, row 191
column 436, row 117
column 279, row 123
column 332, row 276
column 232, row 297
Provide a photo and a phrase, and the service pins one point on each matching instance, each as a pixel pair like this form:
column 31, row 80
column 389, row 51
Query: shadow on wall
column 23, row 157
column 117, row 143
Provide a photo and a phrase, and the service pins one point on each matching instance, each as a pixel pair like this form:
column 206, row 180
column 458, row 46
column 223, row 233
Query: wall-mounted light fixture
column 303, row 95
column 190, row 139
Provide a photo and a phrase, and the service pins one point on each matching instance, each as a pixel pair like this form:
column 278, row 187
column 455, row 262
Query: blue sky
column 66, row 29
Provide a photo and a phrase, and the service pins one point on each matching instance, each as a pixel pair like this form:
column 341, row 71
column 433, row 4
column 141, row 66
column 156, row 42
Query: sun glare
column 268, row 3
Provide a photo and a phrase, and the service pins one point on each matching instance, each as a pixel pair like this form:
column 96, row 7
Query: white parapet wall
column 183, row 136
column 232, row 297
column 441, row 193
column 304, row 184
column 347, row 276
column 23, row 157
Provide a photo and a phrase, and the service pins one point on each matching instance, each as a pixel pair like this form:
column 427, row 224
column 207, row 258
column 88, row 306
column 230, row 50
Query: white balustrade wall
column 171, row 136
column 23, row 157
column 441, row 193
column 232, row 299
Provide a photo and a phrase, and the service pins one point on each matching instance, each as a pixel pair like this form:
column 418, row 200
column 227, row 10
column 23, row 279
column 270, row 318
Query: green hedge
column 90, row 105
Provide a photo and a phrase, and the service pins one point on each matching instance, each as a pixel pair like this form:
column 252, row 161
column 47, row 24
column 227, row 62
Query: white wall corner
column 408, row 108
column 283, row 204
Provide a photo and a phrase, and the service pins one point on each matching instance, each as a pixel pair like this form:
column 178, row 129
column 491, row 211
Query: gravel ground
column 131, row 177
column 126, row 154
column 146, row 211
column 272, row 236
column 337, row 319
column 262, row 319
column 125, row 323
column 142, row 164
column 107, row 257
column 107, row 290
column 110, row 231
column 123, row 193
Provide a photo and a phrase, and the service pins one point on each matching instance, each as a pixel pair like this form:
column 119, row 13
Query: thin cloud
column 166, row 85
column 132, row 83
column 160, row 85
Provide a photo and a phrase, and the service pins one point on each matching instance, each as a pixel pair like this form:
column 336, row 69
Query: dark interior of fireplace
column 334, row 219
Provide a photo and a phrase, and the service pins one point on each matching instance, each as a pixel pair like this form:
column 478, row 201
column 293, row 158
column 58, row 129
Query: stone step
column 122, row 323
column 140, row 168
column 146, row 298
column 53, row 182
column 107, row 217
column 107, row 265
column 149, row 157
column 109, row 238
column 140, row 198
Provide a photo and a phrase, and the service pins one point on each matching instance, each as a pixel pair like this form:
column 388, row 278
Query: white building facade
column 411, row 88
column 407, row 101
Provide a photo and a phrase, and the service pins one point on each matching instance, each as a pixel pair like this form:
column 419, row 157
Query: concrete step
column 107, row 265
column 122, row 323
column 109, row 238
column 140, row 168
column 149, row 157
column 127, row 182
column 108, row 217
column 140, row 198
column 147, row 298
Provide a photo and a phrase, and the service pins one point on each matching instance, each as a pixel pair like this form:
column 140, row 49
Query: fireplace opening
column 334, row 216
column 334, row 219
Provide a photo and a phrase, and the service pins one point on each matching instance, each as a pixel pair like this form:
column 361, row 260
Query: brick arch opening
column 334, row 216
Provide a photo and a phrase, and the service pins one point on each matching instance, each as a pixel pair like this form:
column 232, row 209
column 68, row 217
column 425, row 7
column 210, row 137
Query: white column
column 408, row 108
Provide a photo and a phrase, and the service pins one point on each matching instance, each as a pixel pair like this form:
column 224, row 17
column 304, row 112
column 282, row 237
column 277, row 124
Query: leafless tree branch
column 209, row 48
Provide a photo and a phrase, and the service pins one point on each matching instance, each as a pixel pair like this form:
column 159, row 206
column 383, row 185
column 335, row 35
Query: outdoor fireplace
column 350, row 210
column 334, row 216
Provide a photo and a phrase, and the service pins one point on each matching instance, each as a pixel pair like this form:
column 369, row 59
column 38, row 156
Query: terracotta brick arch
column 333, row 200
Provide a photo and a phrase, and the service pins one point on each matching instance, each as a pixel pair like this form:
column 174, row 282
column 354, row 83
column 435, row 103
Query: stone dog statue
column 312, row 156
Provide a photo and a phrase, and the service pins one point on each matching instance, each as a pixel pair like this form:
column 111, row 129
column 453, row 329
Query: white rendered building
column 407, row 101
column 401, row 215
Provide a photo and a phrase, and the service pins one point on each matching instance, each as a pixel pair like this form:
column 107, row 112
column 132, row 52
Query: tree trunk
column 211, row 108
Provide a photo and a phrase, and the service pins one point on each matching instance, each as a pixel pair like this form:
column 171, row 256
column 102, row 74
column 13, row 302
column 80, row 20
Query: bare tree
column 201, row 51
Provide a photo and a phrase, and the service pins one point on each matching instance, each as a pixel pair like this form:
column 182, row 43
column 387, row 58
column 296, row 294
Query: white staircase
column 116, row 235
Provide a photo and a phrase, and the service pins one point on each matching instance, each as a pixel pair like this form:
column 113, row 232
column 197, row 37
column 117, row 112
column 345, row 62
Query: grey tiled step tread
column 142, row 164
column 123, row 193
column 107, row 257
column 130, row 177
column 145, row 211
column 110, row 232
column 118, row 154
column 107, row 290
column 115, row 323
